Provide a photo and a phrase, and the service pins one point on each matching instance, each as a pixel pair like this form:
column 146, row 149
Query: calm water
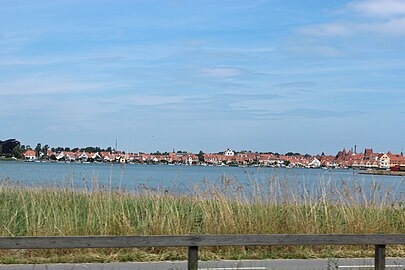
column 179, row 178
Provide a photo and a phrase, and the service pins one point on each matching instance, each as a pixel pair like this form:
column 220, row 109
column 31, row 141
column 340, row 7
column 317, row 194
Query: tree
column 8, row 146
column 17, row 152
column 58, row 149
column 45, row 150
column 200, row 156
column 1, row 149
column 38, row 149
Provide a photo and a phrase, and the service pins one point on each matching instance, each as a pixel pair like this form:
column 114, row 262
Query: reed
column 273, row 206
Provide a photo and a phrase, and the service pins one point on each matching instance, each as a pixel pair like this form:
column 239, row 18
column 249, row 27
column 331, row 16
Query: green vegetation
column 274, row 207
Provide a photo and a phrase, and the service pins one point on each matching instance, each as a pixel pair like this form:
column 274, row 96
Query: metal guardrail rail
column 193, row 242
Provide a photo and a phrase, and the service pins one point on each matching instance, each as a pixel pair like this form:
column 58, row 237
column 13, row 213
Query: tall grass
column 270, row 207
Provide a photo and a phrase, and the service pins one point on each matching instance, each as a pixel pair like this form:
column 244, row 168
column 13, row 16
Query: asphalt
column 329, row 264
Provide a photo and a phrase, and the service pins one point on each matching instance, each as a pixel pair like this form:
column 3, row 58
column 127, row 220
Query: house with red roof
column 30, row 154
column 395, row 160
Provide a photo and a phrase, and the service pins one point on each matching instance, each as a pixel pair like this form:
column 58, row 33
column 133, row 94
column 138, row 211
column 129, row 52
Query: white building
column 30, row 155
column 60, row 156
column 315, row 163
column 229, row 152
column 385, row 162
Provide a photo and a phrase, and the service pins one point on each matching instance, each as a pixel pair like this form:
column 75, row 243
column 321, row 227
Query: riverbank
column 222, row 208
column 383, row 172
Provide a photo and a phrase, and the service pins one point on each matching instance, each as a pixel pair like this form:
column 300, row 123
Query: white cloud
column 43, row 84
column 379, row 8
column 383, row 17
column 394, row 27
column 330, row 29
column 150, row 100
column 223, row 72
column 313, row 49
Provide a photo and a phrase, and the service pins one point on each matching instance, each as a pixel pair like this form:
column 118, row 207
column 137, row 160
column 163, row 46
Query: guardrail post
column 192, row 258
column 379, row 259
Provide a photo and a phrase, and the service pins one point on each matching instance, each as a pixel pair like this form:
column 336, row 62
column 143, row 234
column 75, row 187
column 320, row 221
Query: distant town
column 367, row 159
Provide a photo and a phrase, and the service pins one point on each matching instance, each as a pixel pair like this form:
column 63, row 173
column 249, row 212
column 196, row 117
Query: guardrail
column 193, row 242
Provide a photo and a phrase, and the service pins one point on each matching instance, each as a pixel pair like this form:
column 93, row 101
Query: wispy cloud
column 383, row 17
column 223, row 72
column 316, row 113
column 47, row 84
column 394, row 27
column 390, row 27
column 300, row 84
column 327, row 29
column 150, row 100
column 107, row 59
column 306, row 113
column 379, row 8
column 311, row 48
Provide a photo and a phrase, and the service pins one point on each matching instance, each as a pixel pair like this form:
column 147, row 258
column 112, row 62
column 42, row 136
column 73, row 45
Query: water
column 179, row 178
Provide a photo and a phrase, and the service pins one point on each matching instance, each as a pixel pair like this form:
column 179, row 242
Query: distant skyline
column 302, row 76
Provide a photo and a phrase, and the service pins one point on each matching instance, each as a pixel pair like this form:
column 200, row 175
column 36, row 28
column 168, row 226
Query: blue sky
column 305, row 76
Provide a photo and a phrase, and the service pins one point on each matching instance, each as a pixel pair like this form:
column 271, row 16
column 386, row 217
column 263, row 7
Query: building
column 229, row 153
column 30, row 155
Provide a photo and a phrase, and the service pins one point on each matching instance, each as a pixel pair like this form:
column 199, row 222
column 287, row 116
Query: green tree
column 38, row 150
column 1, row 149
column 200, row 156
column 17, row 153
column 45, row 150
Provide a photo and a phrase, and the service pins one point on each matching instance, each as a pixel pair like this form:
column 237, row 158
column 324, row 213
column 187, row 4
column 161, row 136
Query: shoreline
column 383, row 172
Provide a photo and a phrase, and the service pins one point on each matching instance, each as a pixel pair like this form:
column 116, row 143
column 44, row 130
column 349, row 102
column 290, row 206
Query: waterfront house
column 315, row 163
column 396, row 160
column 60, row 156
column 94, row 157
column 229, row 152
column 83, row 156
column 30, row 155
column 384, row 162
column 107, row 157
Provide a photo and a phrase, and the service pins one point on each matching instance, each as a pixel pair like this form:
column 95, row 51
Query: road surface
column 346, row 264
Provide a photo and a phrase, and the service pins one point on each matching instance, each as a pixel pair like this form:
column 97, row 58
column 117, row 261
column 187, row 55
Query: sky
column 307, row 76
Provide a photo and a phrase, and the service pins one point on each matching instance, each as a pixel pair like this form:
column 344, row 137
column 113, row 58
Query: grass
column 270, row 207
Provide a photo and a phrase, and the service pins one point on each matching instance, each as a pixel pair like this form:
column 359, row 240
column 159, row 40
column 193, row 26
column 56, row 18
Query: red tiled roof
column 30, row 153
